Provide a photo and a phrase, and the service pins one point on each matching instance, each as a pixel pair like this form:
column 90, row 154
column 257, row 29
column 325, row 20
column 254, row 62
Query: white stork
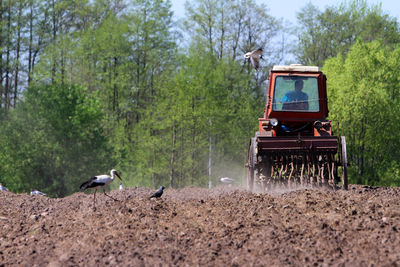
column 100, row 181
column 255, row 57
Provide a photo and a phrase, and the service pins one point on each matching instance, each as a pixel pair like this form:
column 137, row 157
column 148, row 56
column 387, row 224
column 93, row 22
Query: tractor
column 294, row 145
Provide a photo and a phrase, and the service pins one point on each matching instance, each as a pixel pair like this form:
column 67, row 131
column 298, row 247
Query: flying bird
column 2, row 188
column 255, row 57
column 159, row 193
column 100, row 181
column 36, row 192
column 227, row 180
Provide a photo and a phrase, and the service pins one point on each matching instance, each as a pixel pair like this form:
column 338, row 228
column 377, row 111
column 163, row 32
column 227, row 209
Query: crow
column 158, row 193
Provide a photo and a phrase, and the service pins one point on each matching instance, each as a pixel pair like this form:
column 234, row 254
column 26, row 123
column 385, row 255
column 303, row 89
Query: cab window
column 296, row 93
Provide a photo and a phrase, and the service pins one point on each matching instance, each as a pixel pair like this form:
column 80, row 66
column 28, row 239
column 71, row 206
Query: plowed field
column 223, row 226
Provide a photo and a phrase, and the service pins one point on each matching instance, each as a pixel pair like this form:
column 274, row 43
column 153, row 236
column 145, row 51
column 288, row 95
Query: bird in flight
column 159, row 193
column 100, row 181
column 255, row 57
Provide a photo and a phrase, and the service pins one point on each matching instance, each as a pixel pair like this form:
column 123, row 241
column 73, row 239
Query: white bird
column 255, row 57
column 121, row 187
column 2, row 188
column 100, row 181
column 36, row 192
column 227, row 180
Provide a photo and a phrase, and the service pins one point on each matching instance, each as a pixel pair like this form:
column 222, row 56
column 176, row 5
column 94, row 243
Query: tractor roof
column 296, row 67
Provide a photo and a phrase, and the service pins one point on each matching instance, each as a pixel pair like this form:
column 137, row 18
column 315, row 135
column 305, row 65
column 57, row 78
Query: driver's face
column 298, row 86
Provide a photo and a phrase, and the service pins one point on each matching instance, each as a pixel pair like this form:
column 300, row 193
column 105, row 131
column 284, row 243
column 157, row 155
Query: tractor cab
column 296, row 102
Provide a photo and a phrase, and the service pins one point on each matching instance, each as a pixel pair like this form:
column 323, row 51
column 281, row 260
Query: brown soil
column 224, row 226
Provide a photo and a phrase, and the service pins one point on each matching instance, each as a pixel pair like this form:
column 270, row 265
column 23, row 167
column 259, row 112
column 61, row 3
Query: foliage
column 364, row 99
column 204, row 108
column 322, row 35
column 53, row 140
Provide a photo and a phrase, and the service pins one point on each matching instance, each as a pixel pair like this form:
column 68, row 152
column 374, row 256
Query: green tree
column 210, row 100
column 364, row 99
column 54, row 140
column 149, row 65
column 229, row 29
column 322, row 35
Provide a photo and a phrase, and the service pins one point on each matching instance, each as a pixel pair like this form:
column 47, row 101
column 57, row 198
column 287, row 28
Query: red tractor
column 294, row 144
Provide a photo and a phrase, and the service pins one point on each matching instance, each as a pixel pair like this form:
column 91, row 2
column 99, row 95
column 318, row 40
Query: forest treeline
column 87, row 86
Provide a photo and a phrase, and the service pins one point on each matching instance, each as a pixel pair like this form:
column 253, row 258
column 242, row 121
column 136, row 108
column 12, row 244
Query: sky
column 287, row 9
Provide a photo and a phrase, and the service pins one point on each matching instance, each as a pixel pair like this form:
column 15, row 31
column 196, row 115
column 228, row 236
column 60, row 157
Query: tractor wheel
column 344, row 163
column 251, row 171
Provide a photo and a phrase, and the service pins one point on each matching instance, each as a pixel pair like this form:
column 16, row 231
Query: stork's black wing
column 89, row 183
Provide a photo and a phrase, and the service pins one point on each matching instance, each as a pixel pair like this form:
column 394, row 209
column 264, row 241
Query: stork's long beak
column 118, row 176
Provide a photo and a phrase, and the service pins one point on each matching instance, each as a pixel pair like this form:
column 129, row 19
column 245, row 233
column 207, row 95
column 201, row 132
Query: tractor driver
column 295, row 100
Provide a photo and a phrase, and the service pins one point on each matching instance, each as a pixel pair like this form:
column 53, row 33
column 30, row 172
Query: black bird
column 158, row 193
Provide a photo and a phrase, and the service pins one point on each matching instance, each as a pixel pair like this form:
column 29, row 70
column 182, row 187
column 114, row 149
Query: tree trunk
column 172, row 160
column 54, row 21
column 1, row 56
column 62, row 61
column 115, row 87
column 19, row 26
column 221, row 44
column 8, row 52
column 30, row 49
